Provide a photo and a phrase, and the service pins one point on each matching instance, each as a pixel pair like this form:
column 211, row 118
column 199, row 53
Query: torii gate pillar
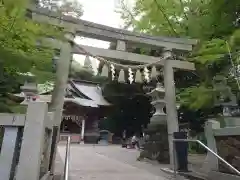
column 170, row 98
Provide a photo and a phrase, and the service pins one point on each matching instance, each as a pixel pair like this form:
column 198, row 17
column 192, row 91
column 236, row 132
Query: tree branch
column 181, row 2
column 165, row 16
column 132, row 18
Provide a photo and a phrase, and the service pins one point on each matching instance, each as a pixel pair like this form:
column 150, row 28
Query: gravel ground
column 89, row 162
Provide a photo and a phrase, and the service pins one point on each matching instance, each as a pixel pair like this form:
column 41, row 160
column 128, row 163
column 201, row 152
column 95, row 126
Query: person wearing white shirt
column 134, row 141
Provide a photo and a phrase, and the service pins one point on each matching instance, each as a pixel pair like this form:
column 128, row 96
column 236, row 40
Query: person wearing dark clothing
column 124, row 139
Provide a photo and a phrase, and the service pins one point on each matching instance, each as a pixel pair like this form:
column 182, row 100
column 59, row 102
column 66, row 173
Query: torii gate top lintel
column 88, row 29
column 102, row 32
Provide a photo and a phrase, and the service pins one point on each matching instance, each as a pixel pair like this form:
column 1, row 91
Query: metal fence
column 67, row 159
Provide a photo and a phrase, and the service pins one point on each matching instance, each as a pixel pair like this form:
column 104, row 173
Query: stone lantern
column 231, row 111
column 158, row 102
column 156, row 147
column 29, row 91
column 226, row 99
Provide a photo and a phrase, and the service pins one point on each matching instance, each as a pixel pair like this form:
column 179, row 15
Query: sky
column 101, row 12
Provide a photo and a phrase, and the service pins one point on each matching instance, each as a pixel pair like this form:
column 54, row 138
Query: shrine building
column 84, row 106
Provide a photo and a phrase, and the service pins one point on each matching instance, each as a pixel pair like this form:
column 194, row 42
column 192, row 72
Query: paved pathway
column 89, row 162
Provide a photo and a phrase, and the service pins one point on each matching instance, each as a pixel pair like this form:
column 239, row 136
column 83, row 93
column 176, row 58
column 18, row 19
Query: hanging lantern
column 138, row 77
column 105, row 71
column 154, row 72
column 121, row 77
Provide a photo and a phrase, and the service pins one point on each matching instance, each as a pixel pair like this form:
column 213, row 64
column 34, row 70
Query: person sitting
column 135, row 142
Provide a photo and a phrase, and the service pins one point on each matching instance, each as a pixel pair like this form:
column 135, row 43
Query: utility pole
column 57, row 102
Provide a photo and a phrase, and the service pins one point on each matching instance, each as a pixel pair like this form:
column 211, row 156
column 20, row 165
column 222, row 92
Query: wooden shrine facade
column 83, row 102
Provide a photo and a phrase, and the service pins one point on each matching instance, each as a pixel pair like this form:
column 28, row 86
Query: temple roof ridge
column 83, row 93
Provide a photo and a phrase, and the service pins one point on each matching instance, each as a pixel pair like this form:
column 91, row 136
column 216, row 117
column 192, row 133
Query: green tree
column 213, row 22
column 66, row 7
column 19, row 37
column 18, row 45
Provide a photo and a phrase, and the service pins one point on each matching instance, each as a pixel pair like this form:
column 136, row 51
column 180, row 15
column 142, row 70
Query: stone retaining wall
column 229, row 149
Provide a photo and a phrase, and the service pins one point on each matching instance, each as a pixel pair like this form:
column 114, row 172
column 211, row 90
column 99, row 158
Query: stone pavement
column 90, row 162
column 59, row 167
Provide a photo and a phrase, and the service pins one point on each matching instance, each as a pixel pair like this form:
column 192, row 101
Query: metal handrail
column 67, row 157
column 207, row 148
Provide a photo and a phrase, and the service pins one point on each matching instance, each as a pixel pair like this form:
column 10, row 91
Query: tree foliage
column 215, row 23
column 212, row 22
column 18, row 45
column 19, row 37
column 66, row 7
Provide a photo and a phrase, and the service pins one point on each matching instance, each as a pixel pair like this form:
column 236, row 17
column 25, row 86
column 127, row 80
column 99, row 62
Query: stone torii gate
column 77, row 27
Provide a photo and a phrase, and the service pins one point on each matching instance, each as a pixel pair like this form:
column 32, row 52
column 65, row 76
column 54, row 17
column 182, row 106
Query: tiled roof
column 82, row 93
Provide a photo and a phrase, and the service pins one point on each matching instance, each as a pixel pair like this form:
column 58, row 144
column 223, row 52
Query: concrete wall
column 26, row 143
